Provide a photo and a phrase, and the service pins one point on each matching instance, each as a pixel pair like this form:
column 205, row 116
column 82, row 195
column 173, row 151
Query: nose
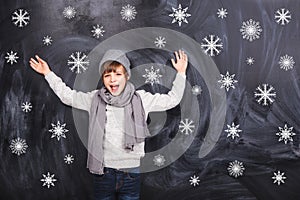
column 112, row 78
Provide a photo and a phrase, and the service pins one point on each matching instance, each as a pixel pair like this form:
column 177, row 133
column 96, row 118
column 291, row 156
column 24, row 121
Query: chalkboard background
column 257, row 147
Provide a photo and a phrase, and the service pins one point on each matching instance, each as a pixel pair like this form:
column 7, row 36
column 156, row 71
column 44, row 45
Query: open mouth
column 114, row 88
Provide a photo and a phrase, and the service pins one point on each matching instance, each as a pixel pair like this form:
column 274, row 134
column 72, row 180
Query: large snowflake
column 69, row 12
column 278, row 177
column 285, row 134
column 58, row 130
column 233, row 130
column 283, row 16
column 251, row 30
column 187, row 126
column 265, row 94
column 79, row 62
column 179, row 15
column 20, row 18
column 159, row 160
column 69, row 159
column 18, row 146
column 11, row 57
column 286, row 62
column 235, row 168
column 48, row 180
column 222, row 13
column 194, row 180
column 98, row 31
column 152, row 76
column 128, row 12
column 160, row 42
column 212, row 45
column 47, row 40
column 26, row 107
column 227, row 81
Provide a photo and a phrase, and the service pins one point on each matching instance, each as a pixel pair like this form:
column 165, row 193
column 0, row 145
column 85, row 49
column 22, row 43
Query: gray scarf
column 135, row 125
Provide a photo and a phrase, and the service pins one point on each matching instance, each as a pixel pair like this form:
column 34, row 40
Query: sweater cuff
column 50, row 76
column 182, row 74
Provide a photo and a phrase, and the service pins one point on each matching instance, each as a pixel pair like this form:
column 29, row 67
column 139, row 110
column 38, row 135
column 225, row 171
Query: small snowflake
column 212, row 45
column 159, row 160
column 187, row 126
column 160, row 42
column 222, row 13
column 283, row 16
column 98, row 31
column 48, row 180
column 236, row 168
column 233, row 130
column 265, row 93
column 285, row 134
column 278, row 177
column 251, row 30
column 179, row 15
column 194, row 180
column 79, row 63
column 69, row 159
column 26, row 107
column 152, row 76
column 196, row 90
column 20, row 18
column 69, row 12
column 128, row 12
column 286, row 62
column 47, row 40
column 58, row 130
column 11, row 57
column 18, row 146
column 227, row 81
column 250, row 61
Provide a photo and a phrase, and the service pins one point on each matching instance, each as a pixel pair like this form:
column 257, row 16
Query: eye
column 106, row 75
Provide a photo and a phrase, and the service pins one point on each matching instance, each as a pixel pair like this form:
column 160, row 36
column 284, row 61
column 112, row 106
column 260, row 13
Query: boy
column 115, row 147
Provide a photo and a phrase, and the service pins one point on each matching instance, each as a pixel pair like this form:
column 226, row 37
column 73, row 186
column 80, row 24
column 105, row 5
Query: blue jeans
column 117, row 184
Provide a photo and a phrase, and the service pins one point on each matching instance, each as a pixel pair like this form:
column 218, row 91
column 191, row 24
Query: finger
column 39, row 59
column 176, row 55
column 173, row 62
column 34, row 61
column 32, row 65
column 180, row 53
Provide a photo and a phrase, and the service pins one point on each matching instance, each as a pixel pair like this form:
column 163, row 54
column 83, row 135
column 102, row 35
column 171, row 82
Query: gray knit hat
column 114, row 55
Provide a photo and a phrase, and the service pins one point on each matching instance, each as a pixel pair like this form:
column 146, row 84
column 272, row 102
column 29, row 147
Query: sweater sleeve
column 162, row 102
column 68, row 96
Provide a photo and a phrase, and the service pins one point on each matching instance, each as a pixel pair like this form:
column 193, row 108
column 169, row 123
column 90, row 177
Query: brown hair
column 112, row 67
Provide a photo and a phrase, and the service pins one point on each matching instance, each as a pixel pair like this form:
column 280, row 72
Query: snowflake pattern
column 251, row 30
column 11, row 57
column 233, row 130
column 160, row 42
column 128, row 12
column 152, row 76
column 286, row 62
column 26, row 107
column 227, row 81
column 159, row 160
column 196, row 90
column 250, row 61
column 58, row 130
column 265, row 94
column 69, row 159
column 179, row 15
column 47, row 40
column 212, row 45
column 18, row 146
column 278, row 177
column 98, row 31
column 20, row 18
column 48, row 180
column 194, row 180
column 283, row 16
column 222, row 13
column 187, row 126
column 285, row 134
column 79, row 63
column 69, row 12
column 236, row 169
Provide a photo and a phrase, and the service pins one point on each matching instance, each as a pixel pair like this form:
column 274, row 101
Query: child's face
column 115, row 81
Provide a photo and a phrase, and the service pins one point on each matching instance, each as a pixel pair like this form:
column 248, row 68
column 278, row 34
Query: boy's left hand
column 182, row 61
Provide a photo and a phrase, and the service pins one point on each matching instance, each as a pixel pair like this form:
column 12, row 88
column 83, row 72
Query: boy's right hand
column 39, row 65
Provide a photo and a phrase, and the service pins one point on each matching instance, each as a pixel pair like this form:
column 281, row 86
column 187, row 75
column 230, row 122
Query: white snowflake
column 283, row 16
column 11, row 57
column 251, row 30
column 159, row 160
column 212, row 45
column 196, row 89
column 179, row 15
column 26, row 107
column 48, row 180
column 160, row 42
column 233, row 130
column 128, row 12
column 58, row 130
column 69, row 159
column 79, row 63
column 286, row 62
column 236, row 169
column 187, row 126
column 278, row 177
column 250, row 61
column 222, row 13
column 194, row 180
column 18, row 146
column 285, row 134
column 227, row 81
column 98, row 31
column 20, row 18
column 69, row 12
column 47, row 40
column 152, row 76
column 265, row 93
